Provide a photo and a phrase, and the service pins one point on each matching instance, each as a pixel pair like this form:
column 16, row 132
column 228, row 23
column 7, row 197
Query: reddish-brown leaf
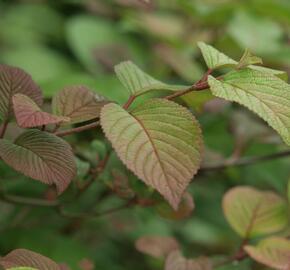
column 78, row 103
column 28, row 114
column 41, row 156
column 14, row 81
column 24, row 257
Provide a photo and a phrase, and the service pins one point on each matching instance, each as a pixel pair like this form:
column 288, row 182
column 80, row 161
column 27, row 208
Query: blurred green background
column 68, row 42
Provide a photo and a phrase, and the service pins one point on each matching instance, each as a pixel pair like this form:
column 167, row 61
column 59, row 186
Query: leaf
column 22, row 268
column 41, row 156
column 248, row 59
column 160, row 141
column 156, row 246
column 14, row 81
column 254, row 213
column 288, row 191
column 138, row 82
column 28, row 114
column 78, row 103
column 214, row 58
column 24, row 257
column 273, row 252
column 262, row 93
column 184, row 210
column 176, row 261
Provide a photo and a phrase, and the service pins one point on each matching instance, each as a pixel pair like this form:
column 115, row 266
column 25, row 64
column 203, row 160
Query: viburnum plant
column 161, row 142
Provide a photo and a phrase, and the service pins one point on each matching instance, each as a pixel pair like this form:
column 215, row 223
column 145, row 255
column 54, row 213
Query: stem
column 27, row 201
column 245, row 161
column 77, row 129
column 3, row 129
column 129, row 102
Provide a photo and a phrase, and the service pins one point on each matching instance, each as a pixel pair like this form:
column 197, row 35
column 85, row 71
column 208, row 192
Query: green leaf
column 28, row 114
column 156, row 246
column 214, row 58
column 14, row 81
column 248, row 59
column 78, row 103
column 273, row 252
column 41, row 156
column 254, row 213
column 278, row 73
column 138, row 82
column 176, row 261
column 22, row 268
column 262, row 93
column 25, row 257
column 160, row 141
column 288, row 191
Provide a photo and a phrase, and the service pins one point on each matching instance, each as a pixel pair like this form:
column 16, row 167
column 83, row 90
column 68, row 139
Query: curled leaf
column 13, row 81
column 41, row 156
column 28, row 114
column 160, row 141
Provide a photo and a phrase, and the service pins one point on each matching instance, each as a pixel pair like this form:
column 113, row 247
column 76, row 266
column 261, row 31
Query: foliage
column 169, row 159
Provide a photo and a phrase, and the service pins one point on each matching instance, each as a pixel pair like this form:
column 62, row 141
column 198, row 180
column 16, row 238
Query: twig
column 245, row 161
column 3, row 129
column 77, row 129
column 27, row 201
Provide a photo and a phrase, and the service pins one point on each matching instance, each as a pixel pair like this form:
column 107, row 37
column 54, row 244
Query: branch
column 77, row 129
column 3, row 129
column 245, row 161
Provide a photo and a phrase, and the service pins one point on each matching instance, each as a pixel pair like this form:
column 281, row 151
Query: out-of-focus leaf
column 197, row 99
column 22, row 268
column 156, row 246
column 41, row 156
column 78, row 103
column 249, row 32
column 288, row 191
column 262, row 93
column 184, row 210
column 42, row 63
column 24, row 257
column 120, row 185
column 273, row 252
column 14, row 81
column 176, row 261
column 172, row 152
column 98, row 44
column 28, row 114
column 138, row 82
column 214, row 58
column 254, row 213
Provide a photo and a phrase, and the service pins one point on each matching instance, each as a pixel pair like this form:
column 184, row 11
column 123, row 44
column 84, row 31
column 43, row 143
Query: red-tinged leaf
column 160, row 141
column 176, row 261
column 24, row 257
column 28, row 114
column 41, row 156
column 156, row 246
column 14, row 81
column 273, row 252
column 78, row 103
column 184, row 210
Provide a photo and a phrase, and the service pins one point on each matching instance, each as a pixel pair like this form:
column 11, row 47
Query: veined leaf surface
column 262, row 93
column 14, row 81
column 28, row 114
column 26, row 258
column 160, row 141
column 78, row 103
column 273, row 252
column 41, row 156
column 137, row 81
column 254, row 213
